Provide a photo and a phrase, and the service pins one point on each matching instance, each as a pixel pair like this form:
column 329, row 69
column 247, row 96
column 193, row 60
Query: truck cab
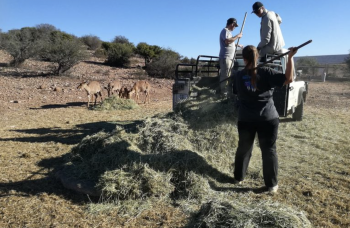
column 289, row 100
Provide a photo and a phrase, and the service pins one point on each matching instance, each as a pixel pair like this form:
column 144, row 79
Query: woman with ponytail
column 257, row 114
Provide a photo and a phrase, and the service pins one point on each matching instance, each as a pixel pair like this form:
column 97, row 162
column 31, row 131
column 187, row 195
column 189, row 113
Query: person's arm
column 233, row 39
column 240, row 46
column 290, row 65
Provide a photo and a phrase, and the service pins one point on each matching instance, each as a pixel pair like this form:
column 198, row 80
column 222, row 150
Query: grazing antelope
column 124, row 92
column 140, row 86
column 113, row 86
column 91, row 88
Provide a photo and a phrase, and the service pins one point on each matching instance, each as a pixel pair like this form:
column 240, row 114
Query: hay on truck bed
column 170, row 158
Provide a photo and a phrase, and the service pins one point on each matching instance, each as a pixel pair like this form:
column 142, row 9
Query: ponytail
column 250, row 54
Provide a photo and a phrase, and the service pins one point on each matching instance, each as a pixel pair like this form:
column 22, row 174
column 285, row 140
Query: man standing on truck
column 271, row 39
column 227, row 50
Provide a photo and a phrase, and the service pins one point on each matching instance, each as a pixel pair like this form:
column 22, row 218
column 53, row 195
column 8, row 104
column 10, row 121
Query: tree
column 118, row 54
column 93, row 42
column 164, row 65
column 45, row 29
column 306, row 63
column 21, row 44
column 188, row 61
column 63, row 49
column 123, row 40
column 148, row 52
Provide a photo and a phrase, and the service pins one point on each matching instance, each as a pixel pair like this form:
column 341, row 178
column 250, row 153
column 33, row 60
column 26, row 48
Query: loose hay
column 172, row 158
column 136, row 181
column 116, row 103
column 235, row 214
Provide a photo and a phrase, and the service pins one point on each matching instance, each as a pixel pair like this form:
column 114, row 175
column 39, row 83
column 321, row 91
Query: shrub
column 306, row 64
column 123, row 40
column 93, row 42
column 118, row 54
column 45, row 30
column 100, row 53
column 21, row 44
column 164, row 65
column 148, row 52
column 63, row 49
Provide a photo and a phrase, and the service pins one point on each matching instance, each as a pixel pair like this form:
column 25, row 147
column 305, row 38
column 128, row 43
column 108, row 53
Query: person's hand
column 239, row 35
column 292, row 51
column 241, row 46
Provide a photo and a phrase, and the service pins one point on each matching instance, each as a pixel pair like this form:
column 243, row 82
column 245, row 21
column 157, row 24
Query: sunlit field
column 150, row 167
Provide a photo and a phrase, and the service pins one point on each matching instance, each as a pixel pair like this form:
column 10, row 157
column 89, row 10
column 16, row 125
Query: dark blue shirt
column 256, row 103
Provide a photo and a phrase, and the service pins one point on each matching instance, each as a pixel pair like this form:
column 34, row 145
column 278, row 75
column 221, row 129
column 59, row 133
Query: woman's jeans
column 267, row 135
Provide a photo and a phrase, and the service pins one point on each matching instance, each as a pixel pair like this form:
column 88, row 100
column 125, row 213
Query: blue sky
column 189, row 27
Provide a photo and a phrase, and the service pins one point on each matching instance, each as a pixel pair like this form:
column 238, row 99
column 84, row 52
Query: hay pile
column 169, row 158
column 262, row 214
column 168, row 145
column 116, row 103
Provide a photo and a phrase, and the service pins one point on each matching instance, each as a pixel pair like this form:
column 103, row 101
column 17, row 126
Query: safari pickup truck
column 289, row 100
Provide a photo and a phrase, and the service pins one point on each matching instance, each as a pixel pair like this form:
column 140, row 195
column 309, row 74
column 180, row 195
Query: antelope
column 113, row 86
column 91, row 88
column 140, row 86
column 124, row 92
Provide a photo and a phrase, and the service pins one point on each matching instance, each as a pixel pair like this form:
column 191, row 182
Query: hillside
column 326, row 59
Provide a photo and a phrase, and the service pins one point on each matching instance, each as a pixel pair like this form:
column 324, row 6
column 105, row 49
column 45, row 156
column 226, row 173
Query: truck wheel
column 299, row 111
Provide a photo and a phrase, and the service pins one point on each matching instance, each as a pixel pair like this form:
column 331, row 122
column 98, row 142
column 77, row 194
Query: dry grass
column 175, row 158
column 171, row 171
column 235, row 214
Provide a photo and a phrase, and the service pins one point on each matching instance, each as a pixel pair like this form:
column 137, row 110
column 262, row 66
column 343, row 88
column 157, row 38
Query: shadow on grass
column 73, row 135
column 287, row 120
column 25, row 74
column 238, row 189
column 67, row 105
column 48, row 184
column 178, row 162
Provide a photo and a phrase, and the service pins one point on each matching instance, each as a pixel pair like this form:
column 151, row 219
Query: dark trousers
column 267, row 135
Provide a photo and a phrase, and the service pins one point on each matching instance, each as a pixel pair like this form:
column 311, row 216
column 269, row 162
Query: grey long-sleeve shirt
column 270, row 32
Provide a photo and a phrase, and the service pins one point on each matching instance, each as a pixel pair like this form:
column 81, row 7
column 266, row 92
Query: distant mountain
column 326, row 59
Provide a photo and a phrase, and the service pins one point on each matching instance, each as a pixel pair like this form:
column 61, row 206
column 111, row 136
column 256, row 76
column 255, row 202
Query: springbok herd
column 116, row 87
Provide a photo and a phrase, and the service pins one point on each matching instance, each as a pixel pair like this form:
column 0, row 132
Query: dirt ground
column 44, row 116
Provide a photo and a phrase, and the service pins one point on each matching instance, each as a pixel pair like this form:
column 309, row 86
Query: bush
column 148, row 52
column 93, row 42
column 188, row 61
column 63, row 49
column 100, row 53
column 118, row 54
column 164, row 65
column 45, row 30
column 21, row 44
column 123, row 40
column 306, row 64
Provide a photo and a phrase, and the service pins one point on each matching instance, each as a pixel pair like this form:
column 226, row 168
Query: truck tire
column 299, row 111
